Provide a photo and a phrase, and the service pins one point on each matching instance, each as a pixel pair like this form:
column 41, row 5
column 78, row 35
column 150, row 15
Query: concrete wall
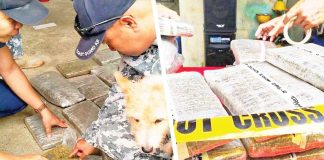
column 191, row 11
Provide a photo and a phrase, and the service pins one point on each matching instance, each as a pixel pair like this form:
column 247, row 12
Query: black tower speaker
column 220, row 15
column 217, row 49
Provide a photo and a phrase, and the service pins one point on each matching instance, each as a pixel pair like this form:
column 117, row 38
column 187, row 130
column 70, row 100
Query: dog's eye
column 158, row 121
column 137, row 120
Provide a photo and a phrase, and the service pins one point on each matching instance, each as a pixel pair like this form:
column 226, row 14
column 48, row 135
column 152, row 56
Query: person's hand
column 270, row 29
column 9, row 156
column 309, row 14
column 31, row 157
column 82, row 149
column 49, row 120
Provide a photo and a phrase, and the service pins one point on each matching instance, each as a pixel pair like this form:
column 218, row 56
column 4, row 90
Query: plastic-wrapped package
column 247, row 51
column 81, row 115
column 303, row 61
column 284, row 145
column 171, row 58
column 191, row 97
column 191, row 149
column 59, row 152
column 62, row 152
column 35, row 126
column 106, row 56
column 69, row 138
column 56, row 89
column 105, row 73
column 90, row 86
column 233, row 150
column 259, row 88
column 76, row 67
column 263, row 139
column 172, row 27
column 314, row 154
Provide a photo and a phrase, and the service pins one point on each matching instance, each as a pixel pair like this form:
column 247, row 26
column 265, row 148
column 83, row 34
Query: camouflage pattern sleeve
column 135, row 67
column 110, row 108
column 15, row 46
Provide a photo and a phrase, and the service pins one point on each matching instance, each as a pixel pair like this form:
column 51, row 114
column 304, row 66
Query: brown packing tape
column 233, row 150
column 283, row 145
column 190, row 149
column 315, row 154
column 195, row 148
column 300, row 140
column 265, row 138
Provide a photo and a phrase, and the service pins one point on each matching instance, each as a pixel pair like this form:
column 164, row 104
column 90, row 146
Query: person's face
column 8, row 27
column 128, row 37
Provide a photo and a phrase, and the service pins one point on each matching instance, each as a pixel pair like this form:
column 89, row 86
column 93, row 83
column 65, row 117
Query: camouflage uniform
column 15, row 46
column 111, row 131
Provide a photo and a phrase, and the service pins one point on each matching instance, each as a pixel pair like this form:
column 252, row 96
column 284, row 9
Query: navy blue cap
column 92, row 12
column 29, row 12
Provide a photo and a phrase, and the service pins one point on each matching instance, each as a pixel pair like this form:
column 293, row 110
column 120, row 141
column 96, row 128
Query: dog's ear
column 123, row 82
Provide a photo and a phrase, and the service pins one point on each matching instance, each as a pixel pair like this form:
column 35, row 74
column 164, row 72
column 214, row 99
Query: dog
column 146, row 111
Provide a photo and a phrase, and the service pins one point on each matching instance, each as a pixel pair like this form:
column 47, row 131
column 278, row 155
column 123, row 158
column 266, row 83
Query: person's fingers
column 81, row 155
column 272, row 38
column 304, row 23
column 48, row 130
column 61, row 123
column 300, row 19
column 307, row 27
column 276, row 30
column 74, row 152
column 291, row 14
column 42, row 158
column 258, row 32
column 264, row 38
column 264, row 34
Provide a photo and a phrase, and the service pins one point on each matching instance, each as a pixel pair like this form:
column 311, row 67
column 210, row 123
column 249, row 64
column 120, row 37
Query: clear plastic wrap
column 259, row 88
column 247, row 51
column 56, row 89
column 303, row 61
column 169, row 54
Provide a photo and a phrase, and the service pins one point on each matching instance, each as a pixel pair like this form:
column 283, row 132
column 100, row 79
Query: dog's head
column 146, row 110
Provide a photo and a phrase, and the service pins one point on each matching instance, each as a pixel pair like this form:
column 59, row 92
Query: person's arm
column 18, row 82
column 309, row 13
column 7, row 156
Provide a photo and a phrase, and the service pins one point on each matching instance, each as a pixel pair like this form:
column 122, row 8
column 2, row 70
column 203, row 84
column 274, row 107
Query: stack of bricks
column 75, row 93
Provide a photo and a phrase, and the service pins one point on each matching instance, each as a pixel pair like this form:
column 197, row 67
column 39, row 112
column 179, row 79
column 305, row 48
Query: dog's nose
column 147, row 150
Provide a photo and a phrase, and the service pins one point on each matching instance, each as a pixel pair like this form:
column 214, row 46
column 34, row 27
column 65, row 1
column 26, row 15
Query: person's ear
column 129, row 21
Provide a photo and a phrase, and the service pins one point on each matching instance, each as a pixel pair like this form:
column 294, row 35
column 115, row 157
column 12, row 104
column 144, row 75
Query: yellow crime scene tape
column 254, row 125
